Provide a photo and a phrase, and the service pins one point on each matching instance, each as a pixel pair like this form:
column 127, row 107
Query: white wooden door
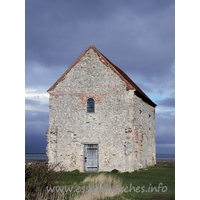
column 90, row 158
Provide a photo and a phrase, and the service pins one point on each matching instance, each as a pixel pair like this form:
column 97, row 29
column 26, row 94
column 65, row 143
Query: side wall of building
column 144, row 134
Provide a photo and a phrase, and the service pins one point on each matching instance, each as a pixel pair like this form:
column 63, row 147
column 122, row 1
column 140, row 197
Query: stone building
column 99, row 119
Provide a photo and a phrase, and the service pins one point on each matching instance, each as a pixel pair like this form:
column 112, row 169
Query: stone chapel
column 99, row 119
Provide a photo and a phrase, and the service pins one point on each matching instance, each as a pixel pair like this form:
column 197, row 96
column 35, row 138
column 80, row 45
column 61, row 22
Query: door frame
column 92, row 143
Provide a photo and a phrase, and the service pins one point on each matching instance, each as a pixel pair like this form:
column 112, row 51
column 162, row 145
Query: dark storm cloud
column 168, row 102
column 36, row 122
column 135, row 35
column 165, row 128
column 35, row 143
column 36, row 126
column 53, row 27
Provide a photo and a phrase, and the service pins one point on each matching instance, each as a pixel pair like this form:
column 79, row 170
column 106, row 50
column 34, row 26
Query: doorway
column 90, row 158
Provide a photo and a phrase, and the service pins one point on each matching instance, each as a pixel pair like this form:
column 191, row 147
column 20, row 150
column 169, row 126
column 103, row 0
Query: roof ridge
column 127, row 78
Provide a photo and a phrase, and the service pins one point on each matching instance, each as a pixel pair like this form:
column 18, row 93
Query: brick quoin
column 136, row 139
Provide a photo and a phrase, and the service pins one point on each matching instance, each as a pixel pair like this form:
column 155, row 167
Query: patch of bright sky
column 156, row 97
column 161, row 109
column 39, row 96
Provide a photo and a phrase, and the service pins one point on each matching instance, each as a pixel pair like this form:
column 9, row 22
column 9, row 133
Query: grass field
column 156, row 182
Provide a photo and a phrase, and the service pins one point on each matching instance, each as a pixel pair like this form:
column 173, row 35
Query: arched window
column 90, row 105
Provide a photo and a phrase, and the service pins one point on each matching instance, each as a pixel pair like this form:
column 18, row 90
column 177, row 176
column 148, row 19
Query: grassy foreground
column 156, row 182
column 144, row 183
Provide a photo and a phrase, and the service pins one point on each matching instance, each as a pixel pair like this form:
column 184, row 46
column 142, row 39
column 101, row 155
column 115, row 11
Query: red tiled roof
column 130, row 85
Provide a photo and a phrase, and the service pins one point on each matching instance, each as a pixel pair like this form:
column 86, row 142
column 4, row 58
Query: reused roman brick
column 121, row 130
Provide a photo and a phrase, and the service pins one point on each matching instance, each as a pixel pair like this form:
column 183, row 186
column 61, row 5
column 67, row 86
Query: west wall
column 114, row 125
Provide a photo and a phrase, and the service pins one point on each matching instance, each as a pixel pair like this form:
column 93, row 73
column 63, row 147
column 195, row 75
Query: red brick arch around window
column 97, row 97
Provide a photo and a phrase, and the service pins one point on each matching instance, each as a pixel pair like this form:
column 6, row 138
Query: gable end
column 130, row 85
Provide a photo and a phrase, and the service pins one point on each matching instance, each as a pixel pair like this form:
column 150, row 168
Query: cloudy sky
column 136, row 35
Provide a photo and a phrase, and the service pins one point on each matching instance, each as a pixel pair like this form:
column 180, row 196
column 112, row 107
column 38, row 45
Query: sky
column 136, row 35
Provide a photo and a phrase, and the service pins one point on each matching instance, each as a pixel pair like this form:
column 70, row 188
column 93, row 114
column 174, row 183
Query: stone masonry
column 123, row 124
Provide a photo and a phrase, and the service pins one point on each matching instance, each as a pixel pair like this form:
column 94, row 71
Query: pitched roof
column 130, row 85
